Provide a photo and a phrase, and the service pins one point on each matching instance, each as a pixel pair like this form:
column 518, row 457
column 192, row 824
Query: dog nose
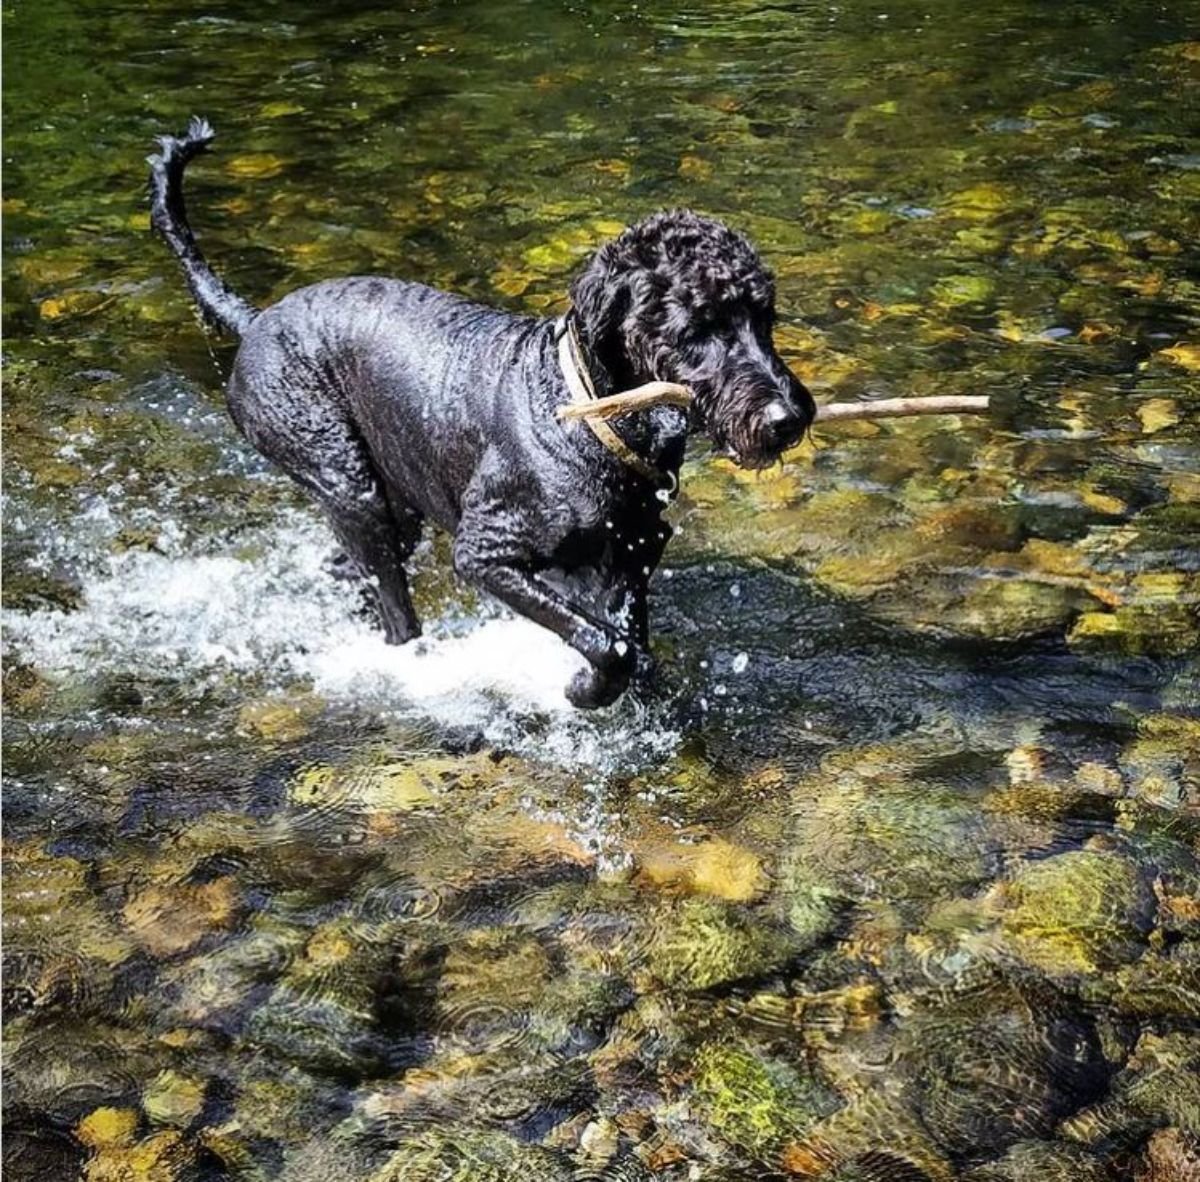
column 784, row 425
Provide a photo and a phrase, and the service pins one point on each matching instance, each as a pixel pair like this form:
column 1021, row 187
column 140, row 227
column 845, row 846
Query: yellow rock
column 280, row 719
column 511, row 281
column 398, row 787
column 1184, row 488
column 982, row 203
column 173, row 1099
column 1055, row 558
column 1186, row 355
column 616, row 167
column 956, row 290
column 1094, row 626
column 1150, row 283
column 72, row 303
column 1096, row 331
column 827, row 371
column 857, row 574
column 183, row 1038
column 1156, row 414
column 387, row 787
column 165, row 1157
column 1025, row 764
column 258, row 166
column 778, row 486
column 868, row 221
column 278, row 110
column 1102, row 502
column 528, row 841
column 608, row 227
column 1099, row 778
column 695, row 168
column 236, row 206
column 328, row 945
column 716, row 867
column 168, row 919
column 42, row 269
column 108, row 1127
column 1163, row 586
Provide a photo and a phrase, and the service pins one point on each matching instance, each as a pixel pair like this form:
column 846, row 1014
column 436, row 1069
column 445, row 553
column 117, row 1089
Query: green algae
column 753, row 1103
column 1078, row 912
column 236, row 908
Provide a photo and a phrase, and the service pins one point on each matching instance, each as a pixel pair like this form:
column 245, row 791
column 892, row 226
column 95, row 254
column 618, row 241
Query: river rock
column 1078, row 912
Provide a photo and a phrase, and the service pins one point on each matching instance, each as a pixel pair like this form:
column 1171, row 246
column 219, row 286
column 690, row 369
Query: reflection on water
column 895, row 879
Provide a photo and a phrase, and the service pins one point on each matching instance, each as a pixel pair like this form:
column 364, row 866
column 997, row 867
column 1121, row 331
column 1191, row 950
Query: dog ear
column 600, row 296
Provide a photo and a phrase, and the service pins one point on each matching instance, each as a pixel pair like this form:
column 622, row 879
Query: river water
column 896, row 878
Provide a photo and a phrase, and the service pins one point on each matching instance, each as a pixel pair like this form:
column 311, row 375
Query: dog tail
column 219, row 305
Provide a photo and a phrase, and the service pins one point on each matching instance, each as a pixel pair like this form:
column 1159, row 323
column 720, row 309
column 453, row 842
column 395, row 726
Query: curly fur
column 680, row 297
column 391, row 403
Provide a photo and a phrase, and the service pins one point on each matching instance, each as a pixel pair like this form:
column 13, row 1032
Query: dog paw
column 590, row 689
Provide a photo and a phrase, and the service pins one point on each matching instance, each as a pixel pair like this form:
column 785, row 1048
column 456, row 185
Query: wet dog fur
column 393, row 403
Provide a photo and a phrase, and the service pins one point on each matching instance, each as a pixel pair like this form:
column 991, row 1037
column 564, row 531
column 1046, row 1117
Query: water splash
column 258, row 608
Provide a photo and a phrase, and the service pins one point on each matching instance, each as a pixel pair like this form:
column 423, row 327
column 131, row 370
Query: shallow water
column 897, row 877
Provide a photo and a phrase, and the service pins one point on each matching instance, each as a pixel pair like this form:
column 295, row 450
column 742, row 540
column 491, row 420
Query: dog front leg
column 505, row 573
column 629, row 603
column 628, row 609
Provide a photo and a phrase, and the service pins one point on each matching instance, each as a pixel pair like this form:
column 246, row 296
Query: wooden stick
column 898, row 408
column 672, row 394
column 640, row 398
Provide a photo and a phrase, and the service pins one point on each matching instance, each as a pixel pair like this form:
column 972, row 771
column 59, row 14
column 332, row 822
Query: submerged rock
column 289, row 1106
column 500, row 987
column 871, row 832
column 1159, row 1085
column 1157, row 986
column 699, row 944
column 164, row 1157
column 279, row 720
column 1163, row 762
column 457, row 1153
column 1170, row 1156
column 1014, row 609
column 1078, row 912
column 1136, row 630
column 875, row 1138
column 108, row 1127
column 172, row 918
column 998, row 1065
column 510, row 1089
column 174, row 1099
column 715, row 867
column 66, row 1069
column 62, row 948
column 318, row 1035
column 1044, row 1161
column 754, row 1102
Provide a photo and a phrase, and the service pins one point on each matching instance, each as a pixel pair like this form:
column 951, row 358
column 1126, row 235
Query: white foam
column 511, row 657
column 261, row 608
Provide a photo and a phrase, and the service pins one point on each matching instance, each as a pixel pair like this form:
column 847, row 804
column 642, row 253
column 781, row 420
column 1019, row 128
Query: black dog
column 391, row 402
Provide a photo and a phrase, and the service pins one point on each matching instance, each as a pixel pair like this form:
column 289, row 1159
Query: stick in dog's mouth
column 673, row 394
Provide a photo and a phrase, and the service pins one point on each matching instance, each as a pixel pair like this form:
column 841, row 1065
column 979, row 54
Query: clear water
column 898, row 877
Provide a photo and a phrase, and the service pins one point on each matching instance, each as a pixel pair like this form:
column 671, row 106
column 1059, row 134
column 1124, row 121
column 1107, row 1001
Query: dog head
column 683, row 298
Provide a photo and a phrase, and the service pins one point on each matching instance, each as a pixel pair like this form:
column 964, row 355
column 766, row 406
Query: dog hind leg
column 322, row 453
column 377, row 540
